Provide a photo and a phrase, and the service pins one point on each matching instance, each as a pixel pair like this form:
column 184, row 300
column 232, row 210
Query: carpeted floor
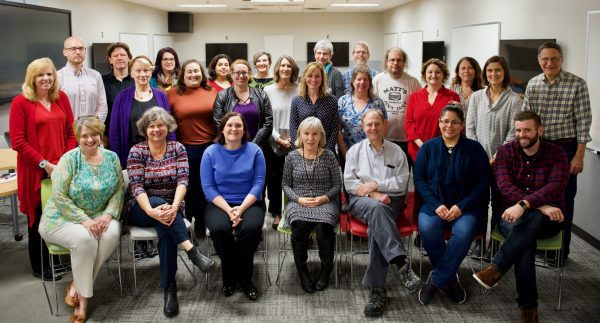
column 23, row 299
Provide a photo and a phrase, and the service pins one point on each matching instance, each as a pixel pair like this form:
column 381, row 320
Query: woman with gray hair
column 312, row 182
column 335, row 82
column 158, row 179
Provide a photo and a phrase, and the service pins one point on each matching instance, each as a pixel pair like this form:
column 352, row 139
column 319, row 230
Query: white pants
column 87, row 253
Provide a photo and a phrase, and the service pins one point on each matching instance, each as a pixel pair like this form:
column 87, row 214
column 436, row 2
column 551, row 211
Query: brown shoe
column 529, row 315
column 71, row 301
column 489, row 277
column 81, row 318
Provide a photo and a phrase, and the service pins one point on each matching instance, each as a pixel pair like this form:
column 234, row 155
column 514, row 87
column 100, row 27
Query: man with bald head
column 83, row 85
column 394, row 86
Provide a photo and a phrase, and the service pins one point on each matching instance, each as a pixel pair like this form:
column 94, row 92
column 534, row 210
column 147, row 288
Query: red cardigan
column 422, row 118
column 24, row 140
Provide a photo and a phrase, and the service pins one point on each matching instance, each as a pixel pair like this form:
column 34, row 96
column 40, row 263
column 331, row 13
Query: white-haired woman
column 158, row 178
column 335, row 82
column 311, row 181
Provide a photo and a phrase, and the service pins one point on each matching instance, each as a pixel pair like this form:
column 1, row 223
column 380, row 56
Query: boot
column 171, row 304
column 326, row 253
column 201, row 261
column 529, row 314
column 300, row 249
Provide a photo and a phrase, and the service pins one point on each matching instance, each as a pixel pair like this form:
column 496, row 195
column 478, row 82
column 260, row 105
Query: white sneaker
column 410, row 280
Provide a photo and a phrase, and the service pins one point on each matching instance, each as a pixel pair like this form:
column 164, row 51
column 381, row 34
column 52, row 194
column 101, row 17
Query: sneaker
column 489, row 277
column 410, row 280
column 529, row 314
column 377, row 298
column 427, row 293
column 456, row 292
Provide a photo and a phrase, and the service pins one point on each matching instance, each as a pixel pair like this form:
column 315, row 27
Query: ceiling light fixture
column 202, row 5
column 277, row 1
column 354, row 5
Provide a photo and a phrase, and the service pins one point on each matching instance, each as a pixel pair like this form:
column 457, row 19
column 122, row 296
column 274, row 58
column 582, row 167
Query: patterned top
column 350, row 118
column 491, row 124
column 540, row 179
column 156, row 177
column 563, row 105
column 82, row 191
column 310, row 178
column 325, row 109
column 347, row 76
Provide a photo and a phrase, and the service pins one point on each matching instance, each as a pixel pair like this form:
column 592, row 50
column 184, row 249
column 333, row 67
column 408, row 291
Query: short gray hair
column 310, row 123
column 154, row 114
column 324, row 44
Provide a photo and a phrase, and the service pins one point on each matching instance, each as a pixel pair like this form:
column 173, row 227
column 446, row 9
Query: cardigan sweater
column 119, row 120
column 26, row 143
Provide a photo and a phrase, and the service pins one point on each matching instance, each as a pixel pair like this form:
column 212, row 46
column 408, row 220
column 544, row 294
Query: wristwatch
column 523, row 205
column 43, row 164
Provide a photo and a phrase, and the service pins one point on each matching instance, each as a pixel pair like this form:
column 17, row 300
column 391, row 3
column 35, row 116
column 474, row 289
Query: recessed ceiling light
column 202, row 5
column 277, row 1
column 354, row 4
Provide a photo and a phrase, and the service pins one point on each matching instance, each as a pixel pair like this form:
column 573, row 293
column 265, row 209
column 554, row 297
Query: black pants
column 274, row 179
column 236, row 252
column 325, row 240
column 35, row 247
column 195, row 202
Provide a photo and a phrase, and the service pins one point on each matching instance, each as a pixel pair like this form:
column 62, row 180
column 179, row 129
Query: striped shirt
column 156, row 177
column 563, row 105
column 540, row 179
column 347, row 76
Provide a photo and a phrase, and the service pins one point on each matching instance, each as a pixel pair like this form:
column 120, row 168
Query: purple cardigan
column 119, row 121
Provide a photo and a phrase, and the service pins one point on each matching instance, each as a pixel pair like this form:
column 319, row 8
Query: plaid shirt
column 540, row 179
column 347, row 76
column 564, row 106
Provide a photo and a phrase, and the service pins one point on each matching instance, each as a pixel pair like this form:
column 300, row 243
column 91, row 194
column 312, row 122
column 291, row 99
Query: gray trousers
column 384, row 239
column 87, row 253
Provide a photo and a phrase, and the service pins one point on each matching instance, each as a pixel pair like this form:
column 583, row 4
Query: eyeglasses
column 395, row 60
column 360, row 52
column 554, row 59
column 447, row 122
column 241, row 74
column 74, row 49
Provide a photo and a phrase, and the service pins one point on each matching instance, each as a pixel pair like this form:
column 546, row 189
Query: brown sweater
column 193, row 112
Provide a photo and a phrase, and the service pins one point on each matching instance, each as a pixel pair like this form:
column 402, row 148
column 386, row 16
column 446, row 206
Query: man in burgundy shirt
column 532, row 176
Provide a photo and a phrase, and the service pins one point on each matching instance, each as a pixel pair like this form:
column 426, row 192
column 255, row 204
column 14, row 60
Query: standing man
column 360, row 55
column 394, row 86
column 335, row 82
column 376, row 176
column 532, row 174
column 83, row 85
column 563, row 102
column 118, row 79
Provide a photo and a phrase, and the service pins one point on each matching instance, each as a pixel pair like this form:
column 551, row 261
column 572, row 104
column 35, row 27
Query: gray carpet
column 23, row 298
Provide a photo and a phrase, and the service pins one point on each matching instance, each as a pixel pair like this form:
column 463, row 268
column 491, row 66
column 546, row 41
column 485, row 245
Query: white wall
column 251, row 29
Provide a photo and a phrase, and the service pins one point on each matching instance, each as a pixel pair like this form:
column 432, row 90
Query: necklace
column 310, row 168
column 243, row 101
column 143, row 96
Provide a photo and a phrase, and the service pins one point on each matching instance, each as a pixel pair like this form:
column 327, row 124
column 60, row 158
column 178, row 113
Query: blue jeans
column 446, row 258
column 169, row 237
column 519, row 250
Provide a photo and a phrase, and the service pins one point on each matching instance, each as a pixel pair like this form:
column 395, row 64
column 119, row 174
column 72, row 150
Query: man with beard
column 532, row 176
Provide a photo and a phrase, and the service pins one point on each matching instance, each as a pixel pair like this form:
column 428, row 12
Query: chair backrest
column 125, row 179
column 46, row 191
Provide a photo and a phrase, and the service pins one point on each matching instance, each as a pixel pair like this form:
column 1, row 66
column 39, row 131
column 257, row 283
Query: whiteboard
column 278, row 45
column 480, row 41
column 592, row 74
column 389, row 41
column 161, row 41
column 412, row 43
column 138, row 43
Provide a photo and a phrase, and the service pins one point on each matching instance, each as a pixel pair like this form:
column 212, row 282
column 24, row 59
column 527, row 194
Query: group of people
column 208, row 146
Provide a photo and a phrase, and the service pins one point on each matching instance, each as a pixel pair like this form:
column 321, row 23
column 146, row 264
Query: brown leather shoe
column 71, row 301
column 489, row 277
column 529, row 315
column 82, row 318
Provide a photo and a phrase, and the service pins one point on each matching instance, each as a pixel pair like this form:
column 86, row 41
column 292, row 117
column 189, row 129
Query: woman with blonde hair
column 40, row 131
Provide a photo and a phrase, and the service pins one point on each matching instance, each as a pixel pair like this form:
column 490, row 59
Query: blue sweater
column 233, row 174
column 463, row 180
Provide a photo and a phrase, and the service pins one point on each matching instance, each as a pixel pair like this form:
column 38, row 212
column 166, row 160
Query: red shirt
column 422, row 118
column 51, row 124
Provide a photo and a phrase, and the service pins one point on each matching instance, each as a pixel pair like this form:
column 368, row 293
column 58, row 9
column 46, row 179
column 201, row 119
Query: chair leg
column 351, row 262
column 559, row 282
column 133, row 260
column 43, row 282
column 266, row 257
column 53, row 283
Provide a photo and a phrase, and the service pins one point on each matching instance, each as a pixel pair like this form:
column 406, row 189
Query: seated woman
column 232, row 173
column 452, row 176
column 158, row 179
column 312, row 182
column 83, row 212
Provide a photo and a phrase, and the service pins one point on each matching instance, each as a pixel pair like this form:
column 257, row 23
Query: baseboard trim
column 586, row 237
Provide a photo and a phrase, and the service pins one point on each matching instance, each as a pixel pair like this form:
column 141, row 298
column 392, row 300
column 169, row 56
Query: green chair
column 554, row 243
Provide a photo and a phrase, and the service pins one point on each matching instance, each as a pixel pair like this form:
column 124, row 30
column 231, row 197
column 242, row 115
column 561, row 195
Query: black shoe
column 228, row 290
column 377, row 298
column 427, row 292
column 475, row 251
column 456, row 291
column 305, row 281
column 171, row 304
column 201, row 261
column 249, row 290
column 323, row 281
column 47, row 275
